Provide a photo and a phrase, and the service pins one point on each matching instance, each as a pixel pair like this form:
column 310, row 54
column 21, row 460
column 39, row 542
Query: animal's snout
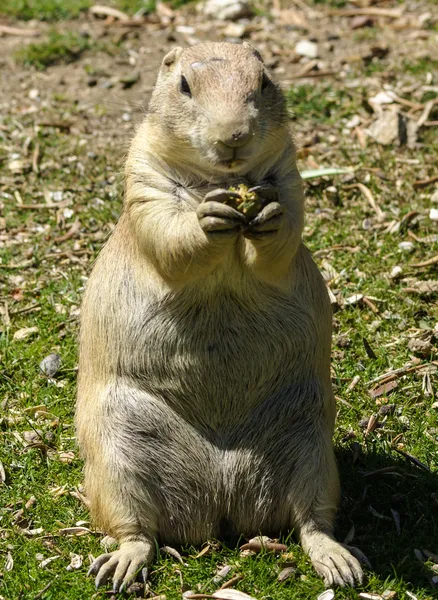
column 238, row 138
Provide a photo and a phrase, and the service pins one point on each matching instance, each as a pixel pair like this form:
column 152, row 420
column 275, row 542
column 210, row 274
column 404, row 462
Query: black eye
column 185, row 88
column 265, row 82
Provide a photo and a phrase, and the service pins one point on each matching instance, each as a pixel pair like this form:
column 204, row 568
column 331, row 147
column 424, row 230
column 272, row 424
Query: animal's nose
column 237, row 138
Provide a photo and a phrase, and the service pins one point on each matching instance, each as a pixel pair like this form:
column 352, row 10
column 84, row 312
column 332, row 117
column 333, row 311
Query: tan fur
column 204, row 383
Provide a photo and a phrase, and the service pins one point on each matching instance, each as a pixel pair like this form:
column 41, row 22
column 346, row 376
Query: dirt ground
column 345, row 47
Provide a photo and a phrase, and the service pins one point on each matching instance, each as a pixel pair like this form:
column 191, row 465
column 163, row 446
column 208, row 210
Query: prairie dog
column 204, row 391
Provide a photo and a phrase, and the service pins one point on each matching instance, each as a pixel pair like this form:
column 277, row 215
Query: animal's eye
column 185, row 88
column 265, row 82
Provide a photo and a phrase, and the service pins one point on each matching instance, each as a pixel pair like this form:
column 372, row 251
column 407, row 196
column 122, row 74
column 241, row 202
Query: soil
column 108, row 111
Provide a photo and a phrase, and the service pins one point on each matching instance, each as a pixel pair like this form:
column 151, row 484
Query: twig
column 390, row 375
column 231, row 582
column 426, row 112
column 24, row 265
column 107, row 11
column 413, row 460
column 5, row 29
column 45, row 588
column 425, row 182
column 68, row 253
column 42, row 206
column 326, row 251
column 26, row 309
column 311, row 74
column 35, row 158
column 371, row 201
column 393, row 13
column 426, row 263
column 353, row 383
column 405, row 102
column 370, row 304
column 74, row 229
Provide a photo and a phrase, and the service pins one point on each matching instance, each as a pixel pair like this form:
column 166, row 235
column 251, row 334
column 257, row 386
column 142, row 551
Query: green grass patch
column 313, row 103
column 421, row 66
column 58, row 10
column 44, row 10
column 58, row 48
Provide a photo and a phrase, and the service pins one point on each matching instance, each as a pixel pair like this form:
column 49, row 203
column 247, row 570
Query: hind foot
column 332, row 561
column 123, row 565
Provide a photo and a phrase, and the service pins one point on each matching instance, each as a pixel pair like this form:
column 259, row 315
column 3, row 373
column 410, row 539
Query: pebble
column 307, row 48
column 50, row 364
column 227, row 10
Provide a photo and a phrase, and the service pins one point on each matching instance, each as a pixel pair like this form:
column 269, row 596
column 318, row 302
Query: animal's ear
column 171, row 57
column 253, row 50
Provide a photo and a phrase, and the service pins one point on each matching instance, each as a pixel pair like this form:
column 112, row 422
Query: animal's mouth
column 236, row 159
column 232, row 163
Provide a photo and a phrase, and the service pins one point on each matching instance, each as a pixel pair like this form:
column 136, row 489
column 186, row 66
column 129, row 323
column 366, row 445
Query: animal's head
column 220, row 106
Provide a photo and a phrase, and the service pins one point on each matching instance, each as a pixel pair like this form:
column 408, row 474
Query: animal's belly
column 216, row 361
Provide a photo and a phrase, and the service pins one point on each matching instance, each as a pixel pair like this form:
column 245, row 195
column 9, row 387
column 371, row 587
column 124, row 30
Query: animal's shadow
column 393, row 506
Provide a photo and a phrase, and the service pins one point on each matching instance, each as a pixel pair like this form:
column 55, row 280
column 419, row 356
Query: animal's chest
column 220, row 349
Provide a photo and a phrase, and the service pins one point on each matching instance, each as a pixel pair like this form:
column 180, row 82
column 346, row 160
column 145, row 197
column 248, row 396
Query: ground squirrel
column 204, row 392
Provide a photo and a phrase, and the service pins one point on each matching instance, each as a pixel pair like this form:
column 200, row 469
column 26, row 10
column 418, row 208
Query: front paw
column 216, row 217
column 266, row 223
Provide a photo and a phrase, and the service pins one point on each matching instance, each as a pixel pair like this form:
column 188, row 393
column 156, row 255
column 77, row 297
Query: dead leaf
column 231, row 594
column 9, row 563
column 47, row 561
column 384, row 389
column 75, row 562
column 422, row 348
column 172, row 552
column 24, row 333
column 66, row 457
column 203, row 552
column 107, row 11
column 222, row 573
column 423, row 288
column 326, row 595
column 286, row 573
column 74, row 531
column 256, row 546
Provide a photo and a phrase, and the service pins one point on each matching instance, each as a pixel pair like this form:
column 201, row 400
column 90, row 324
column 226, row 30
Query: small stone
column 396, row 272
column 75, row 562
column 50, row 365
column 307, row 48
column 390, row 128
column 421, row 347
column 17, row 166
column 227, row 10
column 433, row 214
column 406, row 246
column 57, row 196
column 361, row 21
column 33, row 94
column 286, row 573
column 234, row 30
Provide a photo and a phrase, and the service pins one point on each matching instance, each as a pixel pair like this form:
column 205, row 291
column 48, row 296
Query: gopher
column 204, row 393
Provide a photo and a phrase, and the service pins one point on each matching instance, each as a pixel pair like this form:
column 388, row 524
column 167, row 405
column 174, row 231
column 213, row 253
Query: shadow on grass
column 393, row 506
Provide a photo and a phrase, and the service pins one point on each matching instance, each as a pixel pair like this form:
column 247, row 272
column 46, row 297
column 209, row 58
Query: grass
column 57, row 48
column 45, row 289
column 58, row 10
